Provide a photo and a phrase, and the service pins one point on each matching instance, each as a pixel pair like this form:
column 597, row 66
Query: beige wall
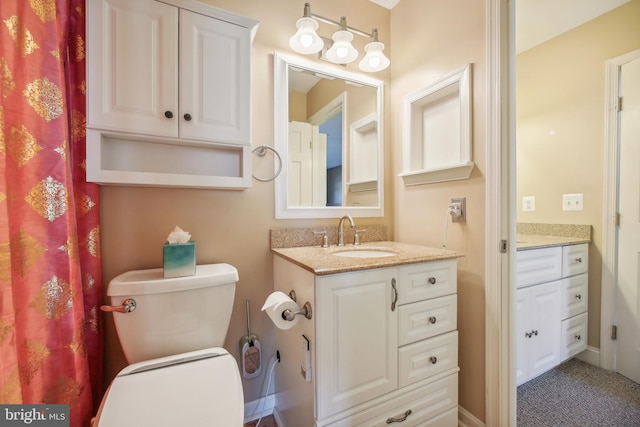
column 431, row 38
column 560, row 102
column 228, row 226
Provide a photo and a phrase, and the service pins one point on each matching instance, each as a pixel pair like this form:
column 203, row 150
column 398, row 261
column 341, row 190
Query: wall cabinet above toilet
column 168, row 80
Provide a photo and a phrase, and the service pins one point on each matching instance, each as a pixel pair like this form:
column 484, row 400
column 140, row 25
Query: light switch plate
column 573, row 202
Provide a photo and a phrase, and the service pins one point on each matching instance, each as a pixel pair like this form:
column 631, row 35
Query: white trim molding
column 610, row 208
column 500, row 222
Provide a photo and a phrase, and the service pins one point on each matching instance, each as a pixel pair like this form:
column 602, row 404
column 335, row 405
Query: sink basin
column 365, row 253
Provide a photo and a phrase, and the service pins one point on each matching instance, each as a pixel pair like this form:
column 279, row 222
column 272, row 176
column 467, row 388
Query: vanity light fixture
column 307, row 41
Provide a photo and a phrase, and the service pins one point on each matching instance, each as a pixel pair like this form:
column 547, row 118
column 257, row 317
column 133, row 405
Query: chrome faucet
column 340, row 225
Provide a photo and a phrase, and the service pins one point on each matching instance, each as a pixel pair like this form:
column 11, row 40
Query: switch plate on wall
column 528, row 203
column 573, row 202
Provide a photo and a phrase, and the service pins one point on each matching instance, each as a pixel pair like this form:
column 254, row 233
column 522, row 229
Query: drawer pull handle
column 395, row 294
column 578, row 259
column 578, row 296
column 432, row 280
column 433, row 360
column 432, row 319
column 578, row 337
column 399, row 419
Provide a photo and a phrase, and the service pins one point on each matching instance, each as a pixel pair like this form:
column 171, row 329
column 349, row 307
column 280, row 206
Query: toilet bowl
column 171, row 331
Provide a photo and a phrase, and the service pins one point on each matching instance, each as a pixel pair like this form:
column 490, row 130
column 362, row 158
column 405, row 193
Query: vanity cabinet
column 167, row 83
column 383, row 342
column 551, row 307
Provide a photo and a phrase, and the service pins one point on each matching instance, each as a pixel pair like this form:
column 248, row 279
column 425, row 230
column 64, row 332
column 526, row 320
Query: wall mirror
column 328, row 131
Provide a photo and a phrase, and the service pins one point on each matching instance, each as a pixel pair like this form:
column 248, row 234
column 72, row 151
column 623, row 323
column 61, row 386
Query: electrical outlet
column 458, row 209
column 528, row 203
column 572, row 202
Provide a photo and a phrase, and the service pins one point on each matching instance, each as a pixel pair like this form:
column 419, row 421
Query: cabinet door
column 538, row 330
column 214, row 79
column 132, row 76
column 544, row 348
column 356, row 334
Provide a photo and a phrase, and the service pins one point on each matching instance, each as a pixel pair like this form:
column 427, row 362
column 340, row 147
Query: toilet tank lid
column 152, row 281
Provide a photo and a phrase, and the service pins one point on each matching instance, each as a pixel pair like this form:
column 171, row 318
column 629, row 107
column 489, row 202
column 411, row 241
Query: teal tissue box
column 179, row 260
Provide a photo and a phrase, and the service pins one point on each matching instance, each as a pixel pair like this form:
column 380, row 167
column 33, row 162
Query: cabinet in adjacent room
column 551, row 307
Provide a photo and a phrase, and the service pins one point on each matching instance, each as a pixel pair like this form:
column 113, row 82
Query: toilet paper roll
column 276, row 303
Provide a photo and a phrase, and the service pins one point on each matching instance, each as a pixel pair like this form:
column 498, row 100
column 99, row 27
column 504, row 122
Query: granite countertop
column 533, row 241
column 537, row 235
column 321, row 261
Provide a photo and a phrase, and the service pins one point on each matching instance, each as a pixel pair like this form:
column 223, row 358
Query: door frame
column 500, row 222
column 608, row 312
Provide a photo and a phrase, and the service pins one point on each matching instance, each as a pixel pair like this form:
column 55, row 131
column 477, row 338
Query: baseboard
column 467, row 419
column 259, row 408
column 591, row 355
column 278, row 418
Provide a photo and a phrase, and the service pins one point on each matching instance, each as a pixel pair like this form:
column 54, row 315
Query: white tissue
column 178, row 236
column 276, row 303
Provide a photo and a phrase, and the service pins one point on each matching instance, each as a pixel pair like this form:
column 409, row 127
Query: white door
column 628, row 298
column 300, row 167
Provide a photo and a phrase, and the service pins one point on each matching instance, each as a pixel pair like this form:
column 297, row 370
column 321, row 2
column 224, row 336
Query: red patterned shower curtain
column 51, row 341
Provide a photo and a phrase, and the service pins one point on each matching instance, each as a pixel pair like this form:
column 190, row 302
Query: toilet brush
column 250, row 351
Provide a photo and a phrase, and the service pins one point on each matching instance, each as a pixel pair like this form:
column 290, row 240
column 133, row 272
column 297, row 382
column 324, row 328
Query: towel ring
column 260, row 152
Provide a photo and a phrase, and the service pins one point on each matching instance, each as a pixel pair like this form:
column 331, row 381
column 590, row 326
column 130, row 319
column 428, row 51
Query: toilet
column 172, row 331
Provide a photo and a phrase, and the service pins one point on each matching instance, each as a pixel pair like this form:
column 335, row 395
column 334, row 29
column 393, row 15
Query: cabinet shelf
column 127, row 159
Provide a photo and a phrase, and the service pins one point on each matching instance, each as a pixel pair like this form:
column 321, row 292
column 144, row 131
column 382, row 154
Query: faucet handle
column 325, row 239
column 356, row 237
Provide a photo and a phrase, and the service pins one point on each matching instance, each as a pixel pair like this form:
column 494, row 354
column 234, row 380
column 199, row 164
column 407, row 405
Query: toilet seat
column 198, row 388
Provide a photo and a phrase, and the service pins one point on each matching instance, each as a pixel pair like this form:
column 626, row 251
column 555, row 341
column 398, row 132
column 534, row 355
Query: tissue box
column 179, row 259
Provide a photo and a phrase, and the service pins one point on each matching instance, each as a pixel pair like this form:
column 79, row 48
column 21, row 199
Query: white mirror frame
column 281, row 135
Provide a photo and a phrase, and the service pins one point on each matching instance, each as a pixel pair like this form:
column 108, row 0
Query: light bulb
column 342, row 51
column 374, row 59
column 306, row 40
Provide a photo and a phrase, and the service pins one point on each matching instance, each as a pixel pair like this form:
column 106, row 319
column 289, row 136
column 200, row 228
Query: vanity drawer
column 426, row 319
column 427, row 358
column 538, row 266
column 575, row 259
column 422, row 281
column 575, row 295
column 574, row 336
column 435, row 404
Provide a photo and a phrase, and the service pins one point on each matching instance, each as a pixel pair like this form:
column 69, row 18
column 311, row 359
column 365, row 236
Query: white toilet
column 172, row 332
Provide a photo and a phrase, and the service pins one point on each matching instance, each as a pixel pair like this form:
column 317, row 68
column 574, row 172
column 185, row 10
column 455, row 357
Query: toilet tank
column 174, row 315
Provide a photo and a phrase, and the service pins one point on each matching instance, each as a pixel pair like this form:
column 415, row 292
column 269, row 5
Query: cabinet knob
column 432, row 280
column 578, row 337
column 168, row 114
column 432, row 319
column 578, row 296
column 433, row 360
column 187, row 117
column 578, row 259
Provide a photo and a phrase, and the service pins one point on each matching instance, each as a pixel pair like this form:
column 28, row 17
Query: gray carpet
column 578, row 394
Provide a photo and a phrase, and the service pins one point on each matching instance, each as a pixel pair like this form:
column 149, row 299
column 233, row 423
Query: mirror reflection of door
column 307, row 165
column 332, row 128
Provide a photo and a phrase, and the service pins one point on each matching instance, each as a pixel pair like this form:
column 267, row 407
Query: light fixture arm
column 342, row 23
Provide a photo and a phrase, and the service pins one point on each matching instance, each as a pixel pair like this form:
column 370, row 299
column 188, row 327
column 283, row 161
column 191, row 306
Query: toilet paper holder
column 304, row 311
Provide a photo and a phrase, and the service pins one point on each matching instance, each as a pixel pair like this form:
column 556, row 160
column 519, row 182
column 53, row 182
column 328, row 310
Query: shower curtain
column 51, row 341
